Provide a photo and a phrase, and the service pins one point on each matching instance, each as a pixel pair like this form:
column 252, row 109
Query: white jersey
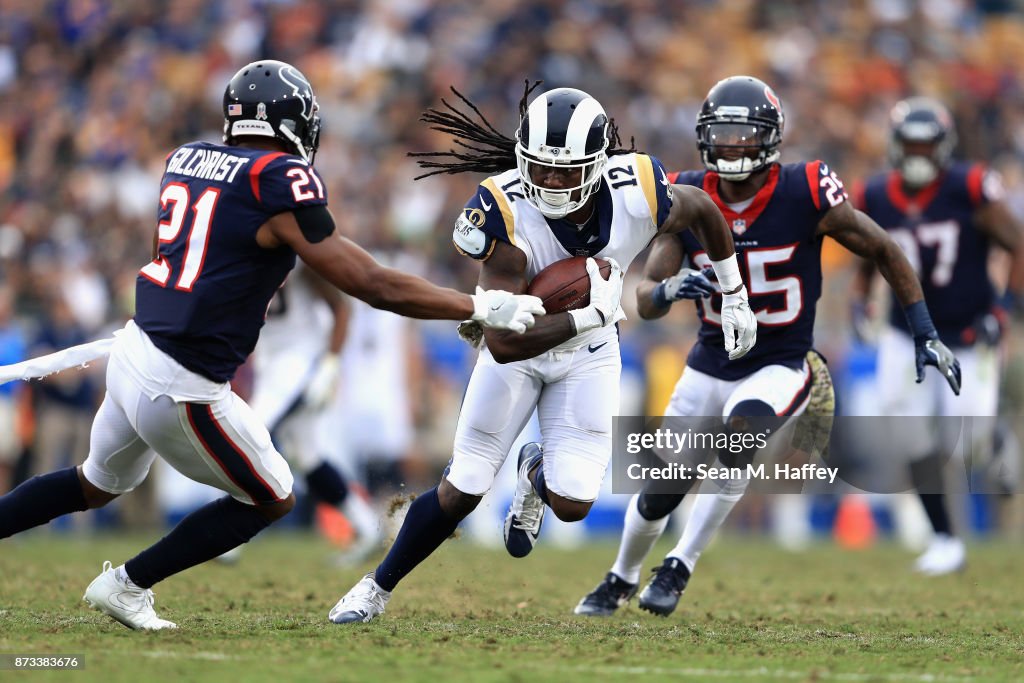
column 633, row 201
column 297, row 316
column 295, row 336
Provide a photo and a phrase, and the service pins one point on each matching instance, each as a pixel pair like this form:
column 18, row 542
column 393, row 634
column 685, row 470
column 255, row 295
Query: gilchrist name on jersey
column 779, row 255
column 207, row 164
column 203, row 299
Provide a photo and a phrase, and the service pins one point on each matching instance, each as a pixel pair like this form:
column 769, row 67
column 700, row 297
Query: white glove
column 503, row 310
column 738, row 324
column 604, row 299
column 321, row 387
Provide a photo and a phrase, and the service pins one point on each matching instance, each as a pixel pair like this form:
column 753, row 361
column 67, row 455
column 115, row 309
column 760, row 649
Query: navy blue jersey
column 204, row 298
column 936, row 230
column 779, row 255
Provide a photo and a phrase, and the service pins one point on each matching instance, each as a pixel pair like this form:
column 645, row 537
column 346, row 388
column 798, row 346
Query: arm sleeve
column 656, row 186
column 485, row 220
column 984, row 185
column 826, row 189
column 283, row 182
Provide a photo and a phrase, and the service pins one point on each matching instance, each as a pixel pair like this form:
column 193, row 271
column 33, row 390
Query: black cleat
column 661, row 595
column 610, row 594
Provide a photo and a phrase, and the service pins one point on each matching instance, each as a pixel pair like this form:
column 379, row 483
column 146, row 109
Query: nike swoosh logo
column 494, row 308
column 483, row 203
column 300, row 162
column 593, row 348
column 664, row 178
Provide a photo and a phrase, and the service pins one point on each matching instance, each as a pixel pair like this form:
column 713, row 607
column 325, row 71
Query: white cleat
column 365, row 601
column 525, row 515
column 945, row 554
column 124, row 601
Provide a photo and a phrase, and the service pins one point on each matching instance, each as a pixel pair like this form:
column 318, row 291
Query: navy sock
column 935, row 508
column 326, row 483
column 539, row 485
column 41, row 499
column 209, row 532
column 425, row 528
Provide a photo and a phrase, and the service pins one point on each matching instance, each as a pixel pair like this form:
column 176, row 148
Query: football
column 565, row 285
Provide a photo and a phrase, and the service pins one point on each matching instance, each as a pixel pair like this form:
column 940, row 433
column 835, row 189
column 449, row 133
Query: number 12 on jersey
column 177, row 197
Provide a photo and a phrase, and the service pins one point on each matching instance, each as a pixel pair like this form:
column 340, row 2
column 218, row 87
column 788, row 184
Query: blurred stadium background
column 95, row 93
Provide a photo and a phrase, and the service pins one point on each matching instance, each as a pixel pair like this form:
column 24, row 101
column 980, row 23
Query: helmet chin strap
column 294, row 139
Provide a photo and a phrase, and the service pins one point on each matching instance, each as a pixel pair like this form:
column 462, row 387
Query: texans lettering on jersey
column 204, row 298
column 937, row 232
column 779, row 254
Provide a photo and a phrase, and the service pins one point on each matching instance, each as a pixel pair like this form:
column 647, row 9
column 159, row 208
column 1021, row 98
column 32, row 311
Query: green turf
column 752, row 612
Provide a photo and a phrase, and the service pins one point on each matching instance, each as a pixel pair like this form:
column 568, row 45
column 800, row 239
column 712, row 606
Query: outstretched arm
column 351, row 269
column 857, row 232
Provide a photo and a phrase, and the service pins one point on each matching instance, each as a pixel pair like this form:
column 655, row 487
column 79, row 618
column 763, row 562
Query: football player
column 562, row 189
column 945, row 215
column 779, row 215
column 232, row 219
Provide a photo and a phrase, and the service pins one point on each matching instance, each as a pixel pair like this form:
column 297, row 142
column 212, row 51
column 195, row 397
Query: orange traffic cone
column 333, row 525
column 855, row 526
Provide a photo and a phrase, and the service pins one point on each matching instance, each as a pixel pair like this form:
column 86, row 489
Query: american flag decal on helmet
column 234, row 110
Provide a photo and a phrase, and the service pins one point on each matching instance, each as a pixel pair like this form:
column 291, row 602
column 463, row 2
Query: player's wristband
column 586, row 319
column 728, row 273
column 920, row 321
column 658, row 296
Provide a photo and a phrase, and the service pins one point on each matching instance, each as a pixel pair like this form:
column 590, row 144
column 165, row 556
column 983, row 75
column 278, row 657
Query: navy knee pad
column 653, row 506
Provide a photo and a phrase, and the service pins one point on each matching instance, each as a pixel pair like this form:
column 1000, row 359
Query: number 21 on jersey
column 178, row 198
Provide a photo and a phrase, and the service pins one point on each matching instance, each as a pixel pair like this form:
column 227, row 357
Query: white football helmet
column 564, row 128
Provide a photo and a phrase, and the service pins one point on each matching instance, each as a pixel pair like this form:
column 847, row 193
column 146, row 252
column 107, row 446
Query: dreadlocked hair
column 480, row 147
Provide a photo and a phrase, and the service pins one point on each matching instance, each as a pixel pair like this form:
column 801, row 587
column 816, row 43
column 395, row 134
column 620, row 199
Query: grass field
column 752, row 612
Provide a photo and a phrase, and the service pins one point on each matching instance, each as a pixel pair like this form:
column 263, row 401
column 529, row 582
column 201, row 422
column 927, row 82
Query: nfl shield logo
column 261, row 112
column 739, row 226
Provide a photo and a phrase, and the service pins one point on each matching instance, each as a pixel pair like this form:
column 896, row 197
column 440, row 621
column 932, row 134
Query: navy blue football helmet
column 272, row 99
column 926, row 127
column 739, row 127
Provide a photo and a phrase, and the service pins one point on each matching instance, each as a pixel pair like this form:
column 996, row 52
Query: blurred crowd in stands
column 95, row 93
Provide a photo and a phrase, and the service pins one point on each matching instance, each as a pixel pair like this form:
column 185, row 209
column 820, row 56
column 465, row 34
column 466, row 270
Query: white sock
column 362, row 516
column 708, row 514
column 122, row 575
column 638, row 537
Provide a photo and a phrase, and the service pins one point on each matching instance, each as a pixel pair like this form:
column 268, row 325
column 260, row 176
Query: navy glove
column 686, row 284
column 934, row 352
column 928, row 350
